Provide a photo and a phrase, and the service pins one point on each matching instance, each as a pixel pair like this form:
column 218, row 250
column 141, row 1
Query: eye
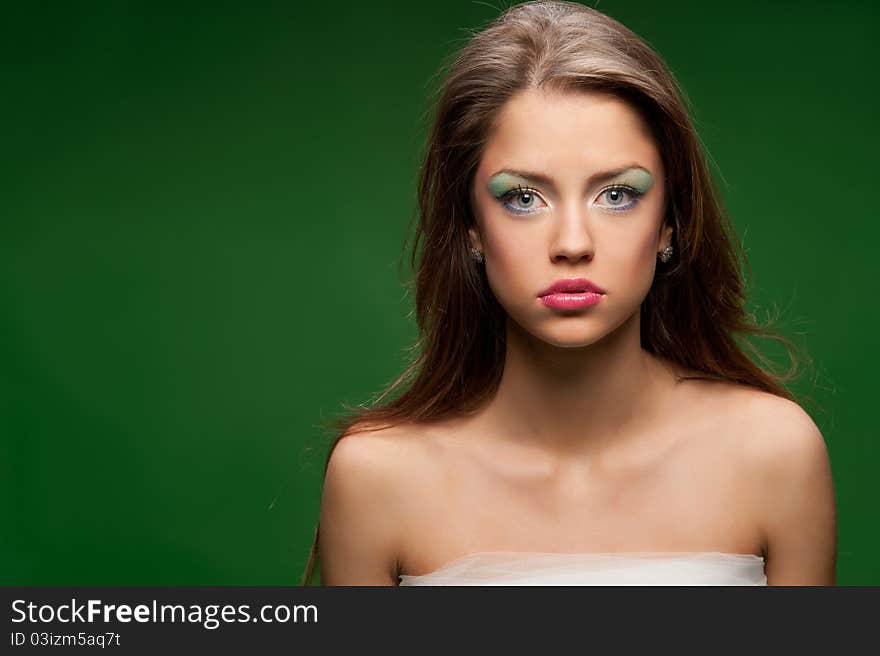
column 525, row 200
column 616, row 194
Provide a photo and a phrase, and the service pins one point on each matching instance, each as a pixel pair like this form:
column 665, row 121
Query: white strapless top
column 622, row 568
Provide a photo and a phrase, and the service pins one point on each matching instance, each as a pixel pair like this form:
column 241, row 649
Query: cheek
column 633, row 260
column 513, row 266
column 646, row 250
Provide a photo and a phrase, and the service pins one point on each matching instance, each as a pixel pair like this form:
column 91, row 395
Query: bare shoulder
column 788, row 473
column 379, row 456
column 368, row 490
column 366, row 450
column 770, row 436
column 781, row 437
column 762, row 426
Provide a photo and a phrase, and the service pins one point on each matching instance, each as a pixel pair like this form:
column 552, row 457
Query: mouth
column 570, row 286
column 571, row 300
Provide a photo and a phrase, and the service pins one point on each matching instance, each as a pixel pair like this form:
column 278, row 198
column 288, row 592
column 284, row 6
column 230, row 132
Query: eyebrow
column 596, row 177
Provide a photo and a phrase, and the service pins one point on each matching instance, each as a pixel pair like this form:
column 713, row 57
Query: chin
column 578, row 334
column 572, row 341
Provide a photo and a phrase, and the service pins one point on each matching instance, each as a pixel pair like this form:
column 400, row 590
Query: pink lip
column 572, row 285
column 571, row 301
column 571, row 294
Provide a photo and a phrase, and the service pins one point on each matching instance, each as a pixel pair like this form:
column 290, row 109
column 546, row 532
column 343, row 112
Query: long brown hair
column 694, row 313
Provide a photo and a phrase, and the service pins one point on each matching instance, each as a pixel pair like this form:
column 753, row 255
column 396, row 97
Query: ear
column 665, row 236
column 474, row 236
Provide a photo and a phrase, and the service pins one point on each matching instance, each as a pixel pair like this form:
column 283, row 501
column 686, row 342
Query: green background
column 203, row 208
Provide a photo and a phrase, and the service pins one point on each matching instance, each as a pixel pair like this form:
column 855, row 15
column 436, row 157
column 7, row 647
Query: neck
column 577, row 399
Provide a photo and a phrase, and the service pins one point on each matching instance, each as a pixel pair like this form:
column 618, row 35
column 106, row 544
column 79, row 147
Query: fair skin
column 647, row 463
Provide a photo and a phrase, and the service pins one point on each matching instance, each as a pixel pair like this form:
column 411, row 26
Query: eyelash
column 528, row 190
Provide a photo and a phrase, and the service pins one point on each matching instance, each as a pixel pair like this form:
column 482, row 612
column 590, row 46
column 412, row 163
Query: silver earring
column 666, row 254
column 477, row 254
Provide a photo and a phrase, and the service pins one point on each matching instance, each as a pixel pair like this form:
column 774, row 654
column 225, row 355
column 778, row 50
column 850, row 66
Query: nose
column 572, row 240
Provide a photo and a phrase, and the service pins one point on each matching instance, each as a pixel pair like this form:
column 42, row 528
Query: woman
column 581, row 409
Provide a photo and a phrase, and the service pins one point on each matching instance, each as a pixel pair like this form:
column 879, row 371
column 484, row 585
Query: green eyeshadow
column 636, row 177
column 503, row 182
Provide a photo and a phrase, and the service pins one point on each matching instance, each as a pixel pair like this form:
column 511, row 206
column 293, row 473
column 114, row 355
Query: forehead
column 575, row 132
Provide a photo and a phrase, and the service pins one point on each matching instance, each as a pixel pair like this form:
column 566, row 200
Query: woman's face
column 569, row 186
